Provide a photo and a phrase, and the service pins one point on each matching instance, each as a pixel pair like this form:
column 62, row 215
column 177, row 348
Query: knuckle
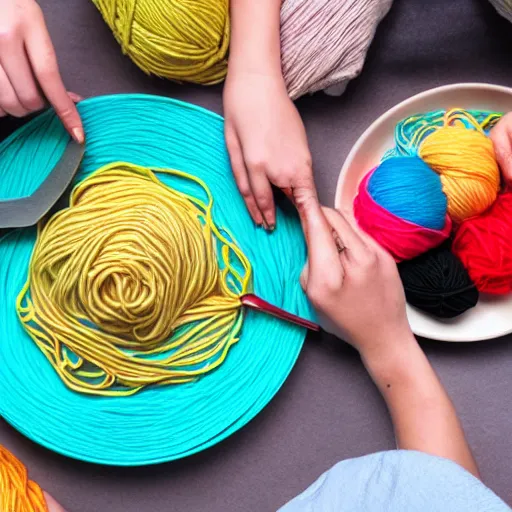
column 316, row 295
column 66, row 113
column 12, row 107
column 264, row 201
column 257, row 164
column 368, row 262
column 32, row 102
column 8, row 35
column 332, row 286
column 245, row 190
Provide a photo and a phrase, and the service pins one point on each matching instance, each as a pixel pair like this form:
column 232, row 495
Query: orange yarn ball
column 465, row 160
column 17, row 492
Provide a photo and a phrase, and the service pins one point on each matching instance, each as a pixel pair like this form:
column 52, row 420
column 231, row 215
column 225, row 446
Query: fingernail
column 271, row 227
column 78, row 135
column 75, row 97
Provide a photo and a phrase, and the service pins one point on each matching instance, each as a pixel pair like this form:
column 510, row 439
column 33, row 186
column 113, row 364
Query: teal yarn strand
column 162, row 423
column 406, row 144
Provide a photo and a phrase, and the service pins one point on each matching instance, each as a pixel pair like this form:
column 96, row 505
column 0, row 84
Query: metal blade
column 26, row 211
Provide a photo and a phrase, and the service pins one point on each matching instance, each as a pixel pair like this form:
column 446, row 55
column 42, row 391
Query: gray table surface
column 328, row 409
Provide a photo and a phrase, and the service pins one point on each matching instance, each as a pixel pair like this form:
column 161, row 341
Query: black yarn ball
column 436, row 282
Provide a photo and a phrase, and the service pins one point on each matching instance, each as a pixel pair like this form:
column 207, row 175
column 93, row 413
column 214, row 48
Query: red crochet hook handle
column 254, row 302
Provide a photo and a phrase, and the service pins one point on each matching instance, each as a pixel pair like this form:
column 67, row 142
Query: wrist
column 398, row 358
column 255, row 69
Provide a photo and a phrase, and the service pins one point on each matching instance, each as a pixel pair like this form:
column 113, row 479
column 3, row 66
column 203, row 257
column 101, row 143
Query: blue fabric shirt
column 397, row 481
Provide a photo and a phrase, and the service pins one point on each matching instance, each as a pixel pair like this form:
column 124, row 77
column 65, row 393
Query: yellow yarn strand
column 125, row 287
column 183, row 40
column 17, row 492
column 465, row 160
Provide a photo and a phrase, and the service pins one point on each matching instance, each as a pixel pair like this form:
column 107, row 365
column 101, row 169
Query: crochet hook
column 257, row 303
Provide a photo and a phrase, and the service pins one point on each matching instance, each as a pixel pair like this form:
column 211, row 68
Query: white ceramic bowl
column 492, row 316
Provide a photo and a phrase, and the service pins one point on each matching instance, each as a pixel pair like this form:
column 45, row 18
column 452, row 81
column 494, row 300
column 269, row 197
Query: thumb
column 323, row 256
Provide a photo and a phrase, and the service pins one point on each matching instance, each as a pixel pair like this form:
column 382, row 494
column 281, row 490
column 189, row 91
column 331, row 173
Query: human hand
column 53, row 506
column 266, row 141
column 28, row 67
column 501, row 136
column 353, row 284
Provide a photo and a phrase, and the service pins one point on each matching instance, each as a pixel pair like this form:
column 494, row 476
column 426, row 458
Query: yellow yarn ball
column 465, row 160
column 183, row 40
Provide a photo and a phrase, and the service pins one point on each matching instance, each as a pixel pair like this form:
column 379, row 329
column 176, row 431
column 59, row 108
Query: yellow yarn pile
column 183, row 40
column 125, row 288
column 465, row 160
column 17, row 492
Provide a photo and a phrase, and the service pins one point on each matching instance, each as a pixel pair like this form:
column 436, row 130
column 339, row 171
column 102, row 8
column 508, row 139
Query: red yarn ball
column 484, row 245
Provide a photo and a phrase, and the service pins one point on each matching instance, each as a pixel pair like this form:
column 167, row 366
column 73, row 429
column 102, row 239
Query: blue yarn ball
column 408, row 188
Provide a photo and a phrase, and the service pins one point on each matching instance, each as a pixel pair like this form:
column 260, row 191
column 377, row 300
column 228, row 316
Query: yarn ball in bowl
column 484, row 245
column 401, row 204
column 437, row 282
column 180, row 40
column 465, row 160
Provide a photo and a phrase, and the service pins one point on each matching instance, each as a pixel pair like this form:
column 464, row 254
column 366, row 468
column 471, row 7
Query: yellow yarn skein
column 183, row 40
column 125, row 288
column 17, row 492
column 464, row 158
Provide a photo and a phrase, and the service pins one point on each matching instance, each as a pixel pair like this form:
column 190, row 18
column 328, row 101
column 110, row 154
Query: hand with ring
column 353, row 283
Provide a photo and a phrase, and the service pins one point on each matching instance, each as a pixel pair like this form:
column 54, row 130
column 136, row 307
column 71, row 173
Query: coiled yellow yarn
column 184, row 40
column 17, row 492
column 125, row 289
column 463, row 156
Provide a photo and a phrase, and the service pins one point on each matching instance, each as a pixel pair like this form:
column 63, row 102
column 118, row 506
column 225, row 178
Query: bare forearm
column 255, row 38
column 423, row 415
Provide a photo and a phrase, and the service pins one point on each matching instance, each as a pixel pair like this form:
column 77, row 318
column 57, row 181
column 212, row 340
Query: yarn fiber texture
column 436, row 282
column 184, row 40
column 413, row 130
column 402, row 206
column 441, row 161
column 465, row 160
column 503, row 7
column 160, row 423
column 403, row 186
column 325, row 42
column 17, row 492
column 124, row 287
column 484, row 245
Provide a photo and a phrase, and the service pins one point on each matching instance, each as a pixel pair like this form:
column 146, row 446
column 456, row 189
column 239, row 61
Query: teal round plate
column 163, row 423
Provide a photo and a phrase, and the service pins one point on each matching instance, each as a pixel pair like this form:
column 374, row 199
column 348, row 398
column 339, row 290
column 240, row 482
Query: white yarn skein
column 504, row 8
column 324, row 42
